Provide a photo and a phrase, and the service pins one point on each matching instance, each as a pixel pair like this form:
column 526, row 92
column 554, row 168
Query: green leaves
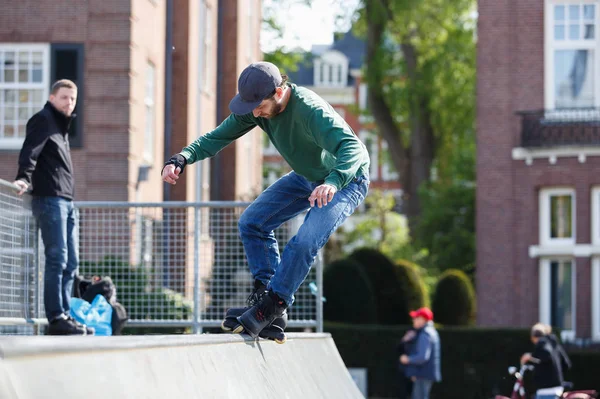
column 447, row 224
column 421, row 58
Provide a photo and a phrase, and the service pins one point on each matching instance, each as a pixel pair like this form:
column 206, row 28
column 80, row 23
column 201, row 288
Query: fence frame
column 197, row 324
column 33, row 319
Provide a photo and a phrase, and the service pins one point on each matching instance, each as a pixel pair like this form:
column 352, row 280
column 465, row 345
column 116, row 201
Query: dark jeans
column 58, row 222
column 421, row 389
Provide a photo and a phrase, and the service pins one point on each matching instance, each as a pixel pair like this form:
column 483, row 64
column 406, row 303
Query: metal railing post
column 38, row 279
column 28, row 260
column 319, row 298
column 197, row 326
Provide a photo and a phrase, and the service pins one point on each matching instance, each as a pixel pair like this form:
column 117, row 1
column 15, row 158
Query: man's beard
column 275, row 111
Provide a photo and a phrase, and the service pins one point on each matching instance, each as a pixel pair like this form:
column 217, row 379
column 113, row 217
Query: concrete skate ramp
column 201, row 366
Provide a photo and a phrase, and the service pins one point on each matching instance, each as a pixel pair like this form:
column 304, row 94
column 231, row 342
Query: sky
column 305, row 26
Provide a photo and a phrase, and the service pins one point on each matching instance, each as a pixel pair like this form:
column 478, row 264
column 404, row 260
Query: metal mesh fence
column 175, row 264
column 178, row 264
column 18, row 261
column 29, row 329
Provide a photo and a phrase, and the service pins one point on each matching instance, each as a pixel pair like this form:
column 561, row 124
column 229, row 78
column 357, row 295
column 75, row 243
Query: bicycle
column 518, row 391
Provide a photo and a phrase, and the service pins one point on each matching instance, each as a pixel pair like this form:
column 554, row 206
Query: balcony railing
column 565, row 127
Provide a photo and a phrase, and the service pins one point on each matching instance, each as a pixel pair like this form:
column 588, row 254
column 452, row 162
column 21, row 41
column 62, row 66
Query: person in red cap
column 422, row 359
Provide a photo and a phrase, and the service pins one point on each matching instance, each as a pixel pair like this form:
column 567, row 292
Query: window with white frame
column 150, row 110
column 370, row 140
column 572, row 62
column 388, row 170
column 595, row 216
column 24, row 88
column 557, row 216
column 331, row 69
column 595, row 198
column 362, row 96
column 596, row 298
column 557, row 294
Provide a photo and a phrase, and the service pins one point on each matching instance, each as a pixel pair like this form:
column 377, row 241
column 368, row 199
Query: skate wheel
column 239, row 329
column 281, row 340
column 230, row 325
column 224, row 327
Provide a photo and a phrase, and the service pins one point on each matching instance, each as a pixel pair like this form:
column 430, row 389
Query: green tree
column 413, row 288
column 381, row 228
column 273, row 26
column 447, row 223
column 454, row 299
column 420, row 70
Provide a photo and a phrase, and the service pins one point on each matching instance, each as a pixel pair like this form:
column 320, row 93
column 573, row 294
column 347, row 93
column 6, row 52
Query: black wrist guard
column 178, row 160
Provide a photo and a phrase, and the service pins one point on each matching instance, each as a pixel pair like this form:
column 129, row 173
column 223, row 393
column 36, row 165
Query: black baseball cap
column 257, row 82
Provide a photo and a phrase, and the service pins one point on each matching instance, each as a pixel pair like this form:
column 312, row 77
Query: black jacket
column 45, row 159
column 548, row 371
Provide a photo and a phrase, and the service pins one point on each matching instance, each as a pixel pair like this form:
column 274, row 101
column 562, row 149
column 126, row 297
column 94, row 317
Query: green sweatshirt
column 314, row 139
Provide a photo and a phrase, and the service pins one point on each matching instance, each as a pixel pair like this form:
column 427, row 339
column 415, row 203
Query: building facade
column 538, row 157
column 150, row 77
column 110, row 50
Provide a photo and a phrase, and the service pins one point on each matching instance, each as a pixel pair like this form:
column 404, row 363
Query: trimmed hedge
column 349, row 295
column 585, row 373
column 398, row 287
column 410, row 278
column 474, row 360
column 454, row 299
column 382, row 276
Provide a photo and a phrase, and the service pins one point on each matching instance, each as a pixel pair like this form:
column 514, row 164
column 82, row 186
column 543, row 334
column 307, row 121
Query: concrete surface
column 186, row 366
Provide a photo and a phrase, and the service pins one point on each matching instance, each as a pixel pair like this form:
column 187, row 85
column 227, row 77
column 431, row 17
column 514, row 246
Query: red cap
column 425, row 313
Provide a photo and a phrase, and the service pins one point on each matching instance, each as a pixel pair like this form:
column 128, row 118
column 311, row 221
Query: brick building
column 109, row 48
column 538, row 180
column 133, row 87
column 213, row 43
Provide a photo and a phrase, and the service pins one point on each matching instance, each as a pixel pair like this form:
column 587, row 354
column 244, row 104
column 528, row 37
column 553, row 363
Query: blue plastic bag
column 97, row 314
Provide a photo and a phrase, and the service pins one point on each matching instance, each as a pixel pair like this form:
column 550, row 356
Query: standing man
column 423, row 360
column 45, row 165
column 330, row 177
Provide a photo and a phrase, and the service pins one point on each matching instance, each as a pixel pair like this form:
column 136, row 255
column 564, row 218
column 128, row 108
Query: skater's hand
column 404, row 359
column 22, row 186
column 322, row 195
column 525, row 358
column 170, row 174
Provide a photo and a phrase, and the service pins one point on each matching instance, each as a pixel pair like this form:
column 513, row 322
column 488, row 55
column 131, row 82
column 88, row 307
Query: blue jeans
column 421, row 388
column 57, row 219
column 283, row 200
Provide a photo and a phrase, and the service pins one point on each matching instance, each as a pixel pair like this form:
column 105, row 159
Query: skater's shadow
column 255, row 343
